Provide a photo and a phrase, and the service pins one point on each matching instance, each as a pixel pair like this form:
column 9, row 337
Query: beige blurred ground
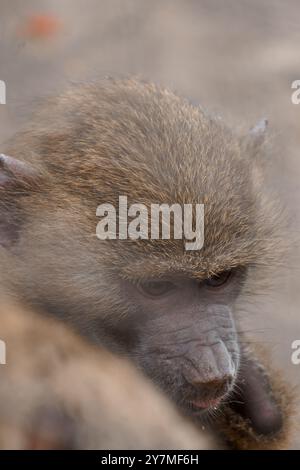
column 236, row 58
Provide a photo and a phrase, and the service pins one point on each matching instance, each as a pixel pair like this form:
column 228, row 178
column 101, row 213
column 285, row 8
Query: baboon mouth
column 199, row 405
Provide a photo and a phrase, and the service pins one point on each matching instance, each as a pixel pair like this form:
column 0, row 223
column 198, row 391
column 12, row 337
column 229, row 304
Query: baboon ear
column 16, row 179
column 15, row 173
column 259, row 131
column 255, row 139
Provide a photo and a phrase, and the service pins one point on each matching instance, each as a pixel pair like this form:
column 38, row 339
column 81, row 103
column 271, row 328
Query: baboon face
column 185, row 336
column 168, row 309
column 177, row 327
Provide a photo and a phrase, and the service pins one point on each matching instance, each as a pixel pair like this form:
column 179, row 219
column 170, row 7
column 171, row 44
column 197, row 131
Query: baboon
column 56, row 392
column 171, row 311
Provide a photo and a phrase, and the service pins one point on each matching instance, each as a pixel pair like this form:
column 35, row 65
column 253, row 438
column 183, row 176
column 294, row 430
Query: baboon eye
column 218, row 280
column 155, row 288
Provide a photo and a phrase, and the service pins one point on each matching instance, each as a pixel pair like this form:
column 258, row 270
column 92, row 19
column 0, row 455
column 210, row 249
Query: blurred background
column 238, row 59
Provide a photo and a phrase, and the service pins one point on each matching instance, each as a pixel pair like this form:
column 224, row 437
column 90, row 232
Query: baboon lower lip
column 206, row 404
